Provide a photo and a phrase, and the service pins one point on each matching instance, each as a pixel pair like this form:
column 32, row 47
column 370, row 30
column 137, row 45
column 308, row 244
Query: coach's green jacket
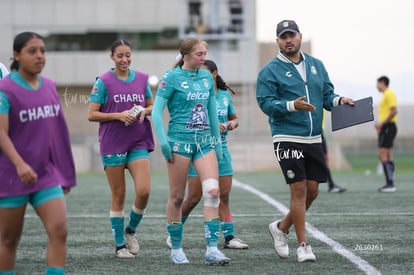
column 279, row 83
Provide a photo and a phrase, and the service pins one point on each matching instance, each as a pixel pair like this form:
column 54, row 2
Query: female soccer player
column 193, row 134
column 36, row 163
column 228, row 122
column 120, row 101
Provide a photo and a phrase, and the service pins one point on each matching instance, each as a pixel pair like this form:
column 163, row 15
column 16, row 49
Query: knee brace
column 209, row 185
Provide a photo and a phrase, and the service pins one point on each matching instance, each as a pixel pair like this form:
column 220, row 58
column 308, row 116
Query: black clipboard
column 345, row 115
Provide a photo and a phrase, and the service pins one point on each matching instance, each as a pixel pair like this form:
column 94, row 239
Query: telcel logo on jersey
column 197, row 96
column 221, row 112
column 197, row 93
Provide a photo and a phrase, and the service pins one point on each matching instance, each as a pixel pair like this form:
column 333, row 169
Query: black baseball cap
column 286, row 26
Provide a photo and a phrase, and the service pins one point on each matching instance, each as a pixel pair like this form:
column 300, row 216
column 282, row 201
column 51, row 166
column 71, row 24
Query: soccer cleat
column 236, row 243
column 178, row 256
column 336, row 189
column 215, row 257
column 279, row 239
column 168, row 241
column 131, row 243
column 388, row 188
column 305, row 253
column 124, row 253
column 135, row 111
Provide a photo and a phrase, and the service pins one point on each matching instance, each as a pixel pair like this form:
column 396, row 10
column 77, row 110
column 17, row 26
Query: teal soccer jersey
column 188, row 94
column 225, row 108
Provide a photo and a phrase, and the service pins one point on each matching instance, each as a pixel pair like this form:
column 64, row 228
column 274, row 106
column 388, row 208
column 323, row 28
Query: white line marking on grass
column 337, row 247
column 163, row 216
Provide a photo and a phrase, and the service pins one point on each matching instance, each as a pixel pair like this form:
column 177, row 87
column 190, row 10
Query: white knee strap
column 208, row 185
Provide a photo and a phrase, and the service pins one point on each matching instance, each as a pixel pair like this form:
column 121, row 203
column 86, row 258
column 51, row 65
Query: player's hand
column 142, row 115
column 66, row 190
column 301, row 105
column 166, row 151
column 26, row 173
column 232, row 124
column 126, row 117
column 378, row 127
column 223, row 127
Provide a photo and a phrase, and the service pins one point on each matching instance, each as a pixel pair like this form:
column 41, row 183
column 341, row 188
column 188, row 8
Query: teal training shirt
column 279, row 82
column 16, row 77
column 225, row 108
column 100, row 94
column 188, row 94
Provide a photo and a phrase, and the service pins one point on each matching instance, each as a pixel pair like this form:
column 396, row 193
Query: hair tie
column 179, row 57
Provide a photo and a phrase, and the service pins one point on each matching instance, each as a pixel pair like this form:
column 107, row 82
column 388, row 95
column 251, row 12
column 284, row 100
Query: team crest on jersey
column 198, row 118
column 313, row 70
column 225, row 102
column 205, row 81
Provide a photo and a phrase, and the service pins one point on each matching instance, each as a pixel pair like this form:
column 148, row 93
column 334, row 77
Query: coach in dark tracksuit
column 292, row 90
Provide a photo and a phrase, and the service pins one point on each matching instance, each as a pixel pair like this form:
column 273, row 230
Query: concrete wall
column 75, row 73
column 73, row 69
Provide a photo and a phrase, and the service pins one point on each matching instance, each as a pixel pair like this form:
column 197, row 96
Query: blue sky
column 357, row 40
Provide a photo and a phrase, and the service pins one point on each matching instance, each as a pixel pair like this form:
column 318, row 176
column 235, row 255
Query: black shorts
column 301, row 161
column 387, row 135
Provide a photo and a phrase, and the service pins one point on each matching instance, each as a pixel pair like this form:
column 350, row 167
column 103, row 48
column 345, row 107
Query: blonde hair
column 187, row 47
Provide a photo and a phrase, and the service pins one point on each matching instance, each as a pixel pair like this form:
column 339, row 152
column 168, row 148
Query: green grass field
column 370, row 231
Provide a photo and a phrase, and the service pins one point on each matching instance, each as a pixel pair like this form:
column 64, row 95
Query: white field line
column 163, row 216
column 337, row 247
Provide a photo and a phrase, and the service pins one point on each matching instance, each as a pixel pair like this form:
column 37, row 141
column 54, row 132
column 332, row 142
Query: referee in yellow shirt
column 387, row 130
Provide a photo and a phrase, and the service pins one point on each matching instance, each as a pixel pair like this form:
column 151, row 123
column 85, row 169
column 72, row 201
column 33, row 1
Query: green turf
column 369, row 162
column 359, row 219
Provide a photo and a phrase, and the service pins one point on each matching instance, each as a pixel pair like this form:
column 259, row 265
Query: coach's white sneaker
column 168, row 241
column 279, row 239
column 124, row 253
column 178, row 256
column 131, row 243
column 305, row 253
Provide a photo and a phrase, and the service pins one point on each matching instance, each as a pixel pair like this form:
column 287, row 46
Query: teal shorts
column 225, row 165
column 35, row 199
column 124, row 158
column 190, row 150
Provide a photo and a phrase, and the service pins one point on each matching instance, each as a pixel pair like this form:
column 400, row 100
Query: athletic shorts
column 35, row 199
column 225, row 165
column 300, row 161
column 387, row 135
column 190, row 150
column 124, row 158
